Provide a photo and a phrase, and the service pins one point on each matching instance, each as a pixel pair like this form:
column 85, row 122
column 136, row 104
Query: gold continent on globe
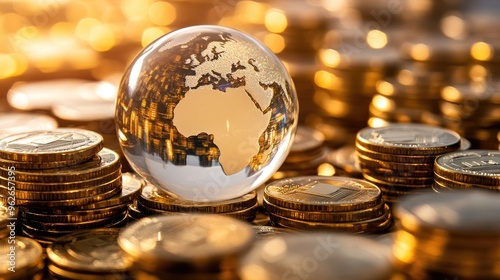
column 206, row 113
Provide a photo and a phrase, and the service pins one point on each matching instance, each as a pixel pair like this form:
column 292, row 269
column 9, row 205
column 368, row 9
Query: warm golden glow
column 8, row 66
column 325, row 79
column 450, row 93
column 377, row 122
column 102, row 37
column 478, row 73
column 405, row 77
column 420, row 52
column 383, row 103
column 385, row 88
column 61, row 31
column 329, row 57
column 376, row 39
column 275, row 42
column 326, row 169
column 481, row 51
column 454, row 27
column 251, row 12
column 162, row 13
column 135, row 10
column 150, row 34
column 84, row 27
column 276, row 21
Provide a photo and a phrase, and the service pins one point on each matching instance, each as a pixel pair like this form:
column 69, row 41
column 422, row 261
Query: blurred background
column 354, row 63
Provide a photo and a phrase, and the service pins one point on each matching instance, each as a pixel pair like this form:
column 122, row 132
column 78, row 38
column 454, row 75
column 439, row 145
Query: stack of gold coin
column 21, row 259
column 88, row 254
column 345, row 86
column 198, row 246
column 411, row 97
column 308, row 151
column 327, row 203
column 399, row 158
column 471, row 169
column 317, row 256
column 154, row 201
column 473, row 111
column 345, row 161
column 455, row 235
column 59, row 178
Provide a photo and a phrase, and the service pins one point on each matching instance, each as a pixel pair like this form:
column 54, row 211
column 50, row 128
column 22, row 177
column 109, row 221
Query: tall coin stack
column 411, row 97
column 154, row 201
column 182, row 247
column 471, row 169
column 399, row 158
column 327, row 203
column 345, row 86
column 64, row 181
column 455, row 235
column 88, row 254
column 473, row 111
column 306, row 154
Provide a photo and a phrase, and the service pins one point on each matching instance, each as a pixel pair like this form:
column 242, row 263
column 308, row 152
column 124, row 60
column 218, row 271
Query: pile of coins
column 64, row 180
column 411, row 97
column 306, row 154
column 327, row 203
column 399, row 158
column 473, row 111
column 198, row 246
column 88, row 254
column 21, row 259
column 471, row 169
column 154, row 201
column 455, row 235
column 317, row 256
column 345, row 86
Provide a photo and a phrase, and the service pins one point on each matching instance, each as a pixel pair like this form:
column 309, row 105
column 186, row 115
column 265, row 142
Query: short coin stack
column 306, row 154
column 317, row 256
column 327, row 203
column 455, row 235
column 471, row 169
column 399, row 158
column 89, row 254
column 64, row 180
column 198, row 246
column 154, row 201
column 24, row 262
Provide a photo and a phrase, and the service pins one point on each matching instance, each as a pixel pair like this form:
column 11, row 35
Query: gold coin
column 68, row 202
column 71, row 226
column 471, row 166
column 472, row 213
column 397, row 167
column 56, row 272
column 373, row 225
column 262, row 232
column 130, row 190
column 23, row 257
column 154, row 198
column 68, row 216
column 61, row 144
column 106, row 163
column 407, row 184
column 63, row 186
column 394, row 158
column 323, row 193
column 451, row 184
column 326, row 217
column 316, row 256
column 94, row 251
column 181, row 242
column 409, row 139
column 68, row 194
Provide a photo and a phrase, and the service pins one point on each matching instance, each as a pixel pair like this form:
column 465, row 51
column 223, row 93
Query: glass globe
column 206, row 113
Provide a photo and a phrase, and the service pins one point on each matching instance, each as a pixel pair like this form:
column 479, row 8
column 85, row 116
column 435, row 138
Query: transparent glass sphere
column 206, row 113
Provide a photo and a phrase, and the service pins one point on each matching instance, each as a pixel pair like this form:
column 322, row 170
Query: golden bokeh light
column 276, row 21
column 329, row 57
column 376, row 39
column 162, row 13
column 420, row 52
column 275, row 42
column 482, row 51
column 152, row 33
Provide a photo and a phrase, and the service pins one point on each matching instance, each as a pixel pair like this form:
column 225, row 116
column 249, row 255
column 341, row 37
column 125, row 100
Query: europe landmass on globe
column 202, row 99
